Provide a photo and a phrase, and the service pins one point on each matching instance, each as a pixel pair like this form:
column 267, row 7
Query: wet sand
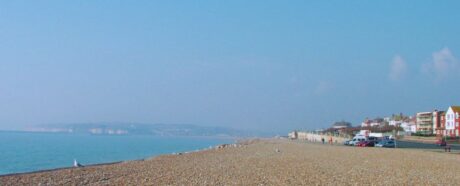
column 266, row 162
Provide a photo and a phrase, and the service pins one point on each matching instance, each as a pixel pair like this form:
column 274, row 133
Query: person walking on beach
column 330, row 140
column 322, row 140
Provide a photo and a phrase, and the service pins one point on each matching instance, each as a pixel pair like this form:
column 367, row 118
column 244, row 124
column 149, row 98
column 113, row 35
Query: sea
column 30, row 151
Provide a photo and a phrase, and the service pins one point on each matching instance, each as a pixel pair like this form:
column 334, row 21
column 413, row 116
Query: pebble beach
column 265, row 162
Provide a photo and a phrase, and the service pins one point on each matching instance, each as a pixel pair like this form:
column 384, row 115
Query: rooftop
column 456, row 108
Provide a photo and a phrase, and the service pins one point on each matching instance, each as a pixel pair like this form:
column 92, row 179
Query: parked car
column 367, row 144
column 361, row 143
column 441, row 143
column 389, row 144
column 355, row 142
column 380, row 143
column 347, row 142
column 386, row 143
column 371, row 138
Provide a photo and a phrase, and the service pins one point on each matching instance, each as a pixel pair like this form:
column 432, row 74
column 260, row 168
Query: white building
column 395, row 122
column 408, row 127
column 425, row 122
column 373, row 123
column 452, row 121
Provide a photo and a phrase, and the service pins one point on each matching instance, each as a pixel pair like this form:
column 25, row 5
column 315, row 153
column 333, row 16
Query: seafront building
column 438, row 123
column 452, row 121
column 373, row 122
column 442, row 131
column 425, row 123
column 394, row 122
column 366, row 123
column 409, row 127
column 398, row 119
column 341, row 125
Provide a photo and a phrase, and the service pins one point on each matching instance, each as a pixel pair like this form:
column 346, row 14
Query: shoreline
column 267, row 162
column 63, row 168
column 236, row 141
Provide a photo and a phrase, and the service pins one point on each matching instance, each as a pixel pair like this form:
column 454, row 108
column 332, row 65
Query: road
column 418, row 145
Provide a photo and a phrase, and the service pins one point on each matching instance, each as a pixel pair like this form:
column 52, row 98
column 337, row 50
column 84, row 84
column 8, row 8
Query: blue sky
column 268, row 65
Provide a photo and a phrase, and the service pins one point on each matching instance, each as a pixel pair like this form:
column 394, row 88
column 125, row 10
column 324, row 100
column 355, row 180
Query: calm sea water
column 25, row 152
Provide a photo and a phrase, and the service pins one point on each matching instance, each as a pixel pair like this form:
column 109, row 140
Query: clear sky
column 269, row 65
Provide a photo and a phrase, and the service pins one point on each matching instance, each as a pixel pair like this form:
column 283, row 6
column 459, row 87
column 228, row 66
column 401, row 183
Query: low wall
column 317, row 137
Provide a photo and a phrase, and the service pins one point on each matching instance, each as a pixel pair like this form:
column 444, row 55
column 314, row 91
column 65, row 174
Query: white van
column 356, row 139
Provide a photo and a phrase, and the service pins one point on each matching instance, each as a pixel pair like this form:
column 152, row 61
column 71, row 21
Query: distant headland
column 142, row 129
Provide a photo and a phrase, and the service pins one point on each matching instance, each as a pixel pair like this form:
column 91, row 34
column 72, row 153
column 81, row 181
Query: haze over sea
column 27, row 151
column 145, row 68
